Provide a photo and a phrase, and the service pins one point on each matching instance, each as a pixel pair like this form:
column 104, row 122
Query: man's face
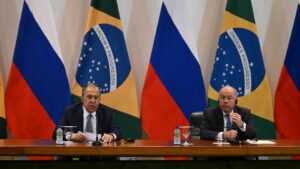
column 227, row 97
column 91, row 98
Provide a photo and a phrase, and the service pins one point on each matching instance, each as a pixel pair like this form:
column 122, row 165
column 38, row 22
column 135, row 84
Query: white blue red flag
column 287, row 97
column 173, row 88
column 37, row 89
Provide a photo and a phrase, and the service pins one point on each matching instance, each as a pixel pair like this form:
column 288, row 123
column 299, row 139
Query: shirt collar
column 86, row 113
column 224, row 114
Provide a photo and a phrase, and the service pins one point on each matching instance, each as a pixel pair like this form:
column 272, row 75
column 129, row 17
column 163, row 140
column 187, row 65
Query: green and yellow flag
column 3, row 130
column 239, row 63
column 104, row 60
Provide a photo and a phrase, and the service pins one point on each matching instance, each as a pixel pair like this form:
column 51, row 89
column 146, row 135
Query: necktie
column 89, row 124
column 228, row 122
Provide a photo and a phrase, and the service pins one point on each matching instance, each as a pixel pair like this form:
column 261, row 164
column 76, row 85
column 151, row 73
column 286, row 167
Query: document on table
column 220, row 142
column 92, row 136
column 260, row 142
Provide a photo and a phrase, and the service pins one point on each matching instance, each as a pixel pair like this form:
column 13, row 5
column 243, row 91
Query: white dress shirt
column 220, row 134
column 94, row 123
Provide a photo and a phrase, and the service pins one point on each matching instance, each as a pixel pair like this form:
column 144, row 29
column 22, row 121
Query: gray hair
column 87, row 85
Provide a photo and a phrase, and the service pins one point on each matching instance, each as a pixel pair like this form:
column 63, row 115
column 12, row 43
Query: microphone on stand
column 96, row 142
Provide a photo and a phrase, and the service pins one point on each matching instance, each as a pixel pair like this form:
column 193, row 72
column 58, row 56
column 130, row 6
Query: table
column 146, row 148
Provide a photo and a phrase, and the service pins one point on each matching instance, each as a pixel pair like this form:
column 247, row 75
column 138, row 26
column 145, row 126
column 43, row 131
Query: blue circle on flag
column 104, row 59
column 238, row 62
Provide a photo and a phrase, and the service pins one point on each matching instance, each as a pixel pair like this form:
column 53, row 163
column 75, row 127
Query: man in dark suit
column 90, row 115
column 227, row 120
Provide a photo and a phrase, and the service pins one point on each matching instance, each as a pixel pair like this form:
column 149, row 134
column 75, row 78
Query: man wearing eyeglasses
column 227, row 121
column 90, row 116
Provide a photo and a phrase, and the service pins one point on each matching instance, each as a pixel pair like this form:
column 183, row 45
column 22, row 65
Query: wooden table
column 281, row 148
column 146, row 148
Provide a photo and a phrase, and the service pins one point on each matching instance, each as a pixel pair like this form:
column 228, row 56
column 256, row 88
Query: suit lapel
column 220, row 119
column 79, row 121
column 99, row 120
column 236, row 110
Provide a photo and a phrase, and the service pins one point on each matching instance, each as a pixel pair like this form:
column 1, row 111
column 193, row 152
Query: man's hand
column 237, row 119
column 79, row 136
column 231, row 134
column 107, row 138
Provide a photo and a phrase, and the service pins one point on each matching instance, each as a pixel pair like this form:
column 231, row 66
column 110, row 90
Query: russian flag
column 173, row 87
column 3, row 133
column 287, row 96
column 37, row 89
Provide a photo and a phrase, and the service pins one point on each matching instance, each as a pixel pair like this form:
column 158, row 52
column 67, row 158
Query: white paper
column 220, row 142
column 260, row 142
column 92, row 136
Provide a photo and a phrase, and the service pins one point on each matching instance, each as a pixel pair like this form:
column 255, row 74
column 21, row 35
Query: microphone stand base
column 96, row 143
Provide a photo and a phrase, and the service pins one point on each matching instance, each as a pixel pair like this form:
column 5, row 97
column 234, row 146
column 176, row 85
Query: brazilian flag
column 104, row 61
column 239, row 63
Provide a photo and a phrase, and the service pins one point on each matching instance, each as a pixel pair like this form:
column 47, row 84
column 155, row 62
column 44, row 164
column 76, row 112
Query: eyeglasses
column 90, row 97
column 227, row 97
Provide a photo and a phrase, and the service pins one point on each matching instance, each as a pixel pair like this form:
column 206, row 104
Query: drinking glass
column 186, row 131
column 68, row 130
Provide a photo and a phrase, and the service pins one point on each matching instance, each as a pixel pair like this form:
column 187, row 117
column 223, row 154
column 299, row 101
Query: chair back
column 195, row 121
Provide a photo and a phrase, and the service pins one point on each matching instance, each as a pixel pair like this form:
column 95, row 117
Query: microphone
column 234, row 142
column 96, row 142
column 237, row 140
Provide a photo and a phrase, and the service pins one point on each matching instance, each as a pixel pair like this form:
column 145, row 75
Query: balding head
column 227, row 98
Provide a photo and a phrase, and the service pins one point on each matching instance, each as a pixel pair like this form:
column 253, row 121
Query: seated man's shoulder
column 243, row 109
column 73, row 107
column 106, row 108
column 211, row 109
column 107, row 111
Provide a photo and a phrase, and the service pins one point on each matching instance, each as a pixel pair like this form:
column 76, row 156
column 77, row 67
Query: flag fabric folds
column 37, row 88
column 287, row 96
column 3, row 130
column 173, row 87
column 104, row 61
column 239, row 63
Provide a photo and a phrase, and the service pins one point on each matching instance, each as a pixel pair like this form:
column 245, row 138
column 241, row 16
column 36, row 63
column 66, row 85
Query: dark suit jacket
column 73, row 115
column 213, row 123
